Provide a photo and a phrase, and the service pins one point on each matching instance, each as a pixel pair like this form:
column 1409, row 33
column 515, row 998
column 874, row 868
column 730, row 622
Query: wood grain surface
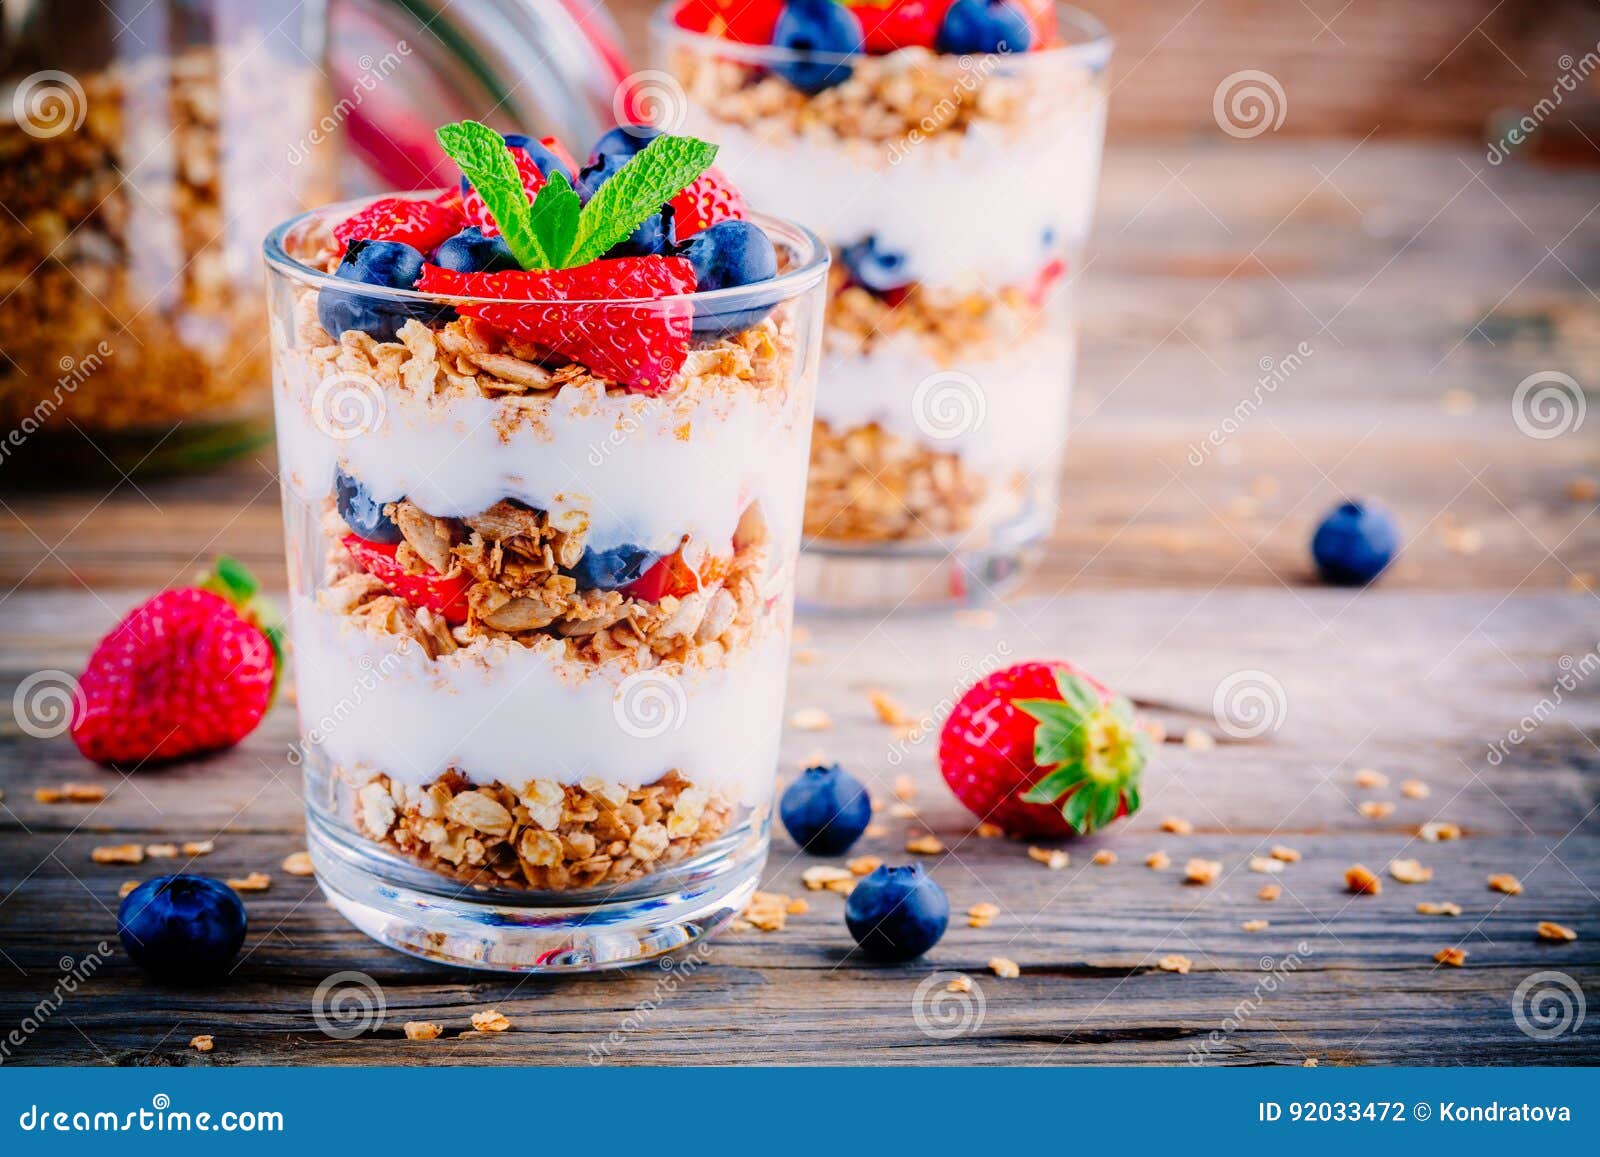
column 1429, row 285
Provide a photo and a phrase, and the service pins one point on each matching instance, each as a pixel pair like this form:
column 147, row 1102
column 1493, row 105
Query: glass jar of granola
column 541, row 596
column 953, row 172
column 144, row 151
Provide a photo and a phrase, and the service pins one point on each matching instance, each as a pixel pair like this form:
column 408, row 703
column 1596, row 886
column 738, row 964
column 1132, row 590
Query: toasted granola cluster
column 952, row 326
column 173, row 332
column 542, row 835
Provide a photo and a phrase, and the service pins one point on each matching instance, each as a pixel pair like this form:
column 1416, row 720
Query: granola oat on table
column 543, row 441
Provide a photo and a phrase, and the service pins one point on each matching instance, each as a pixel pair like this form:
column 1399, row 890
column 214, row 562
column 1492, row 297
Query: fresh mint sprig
column 555, row 231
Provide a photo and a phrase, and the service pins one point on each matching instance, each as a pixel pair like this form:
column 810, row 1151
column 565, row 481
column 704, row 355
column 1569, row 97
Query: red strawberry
column 560, row 150
column 417, row 223
column 744, row 21
column 477, row 213
column 668, row 576
column 711, row 198
column 444, row 594
column 1044, row 750
column 1041, row 18
column 632, row 341
column 888, row 25
column 187, row 672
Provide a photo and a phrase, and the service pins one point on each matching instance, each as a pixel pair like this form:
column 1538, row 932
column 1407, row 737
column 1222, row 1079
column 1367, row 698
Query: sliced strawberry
column 570, row 311
column 669, row 576
column 1044, row 280
column 1041, row 17
column 889, row 25
column 743, row 21
column 477, row 213
column 417, row 223
column 442, row 594
column 711, row 198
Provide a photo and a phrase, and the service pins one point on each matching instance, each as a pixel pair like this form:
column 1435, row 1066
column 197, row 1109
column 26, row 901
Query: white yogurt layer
column 967, row 209
column 511, row 713
column 1000, row 414
column 638, row 469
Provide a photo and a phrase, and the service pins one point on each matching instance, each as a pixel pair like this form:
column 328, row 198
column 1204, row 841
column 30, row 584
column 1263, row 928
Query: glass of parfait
column 949, row 154
column 543, row 495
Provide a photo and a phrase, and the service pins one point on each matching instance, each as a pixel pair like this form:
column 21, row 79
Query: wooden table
column 1427, row 285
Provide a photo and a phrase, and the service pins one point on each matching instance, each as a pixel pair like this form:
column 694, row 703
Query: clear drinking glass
column 540, row 722
column 956, row 193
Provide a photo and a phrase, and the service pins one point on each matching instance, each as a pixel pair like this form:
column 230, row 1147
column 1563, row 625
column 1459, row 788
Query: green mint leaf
column 487, row 164
column 650, row 179
column 555, row 218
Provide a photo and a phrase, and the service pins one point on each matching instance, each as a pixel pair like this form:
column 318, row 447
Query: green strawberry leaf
column 1077, row 808
column 650, row 178
column 1052, row 787
column 486, row 162
column 555, row 218
column 1106, row 800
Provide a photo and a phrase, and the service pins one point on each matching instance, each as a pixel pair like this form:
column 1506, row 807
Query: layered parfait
column 948, row 151
column 543, row 443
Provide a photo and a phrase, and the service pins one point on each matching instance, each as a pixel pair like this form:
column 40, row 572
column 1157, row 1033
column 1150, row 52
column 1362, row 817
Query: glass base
column 499, row 931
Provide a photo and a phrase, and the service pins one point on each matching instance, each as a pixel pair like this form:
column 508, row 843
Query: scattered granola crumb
column 1549, row 930
column 297, row 864
column 1286, row 855
column 976, row 617
column 1309, row 1063
column 199, row 847
column 863, row 865
column 797, row 907
column 1155, row 729
column 1254, row 926
column 1359, row 878
column 1454, row 957
column 925, row 844
column 1439, row 830
column 254, row 882
column 805, row 656
column 888, row 709
column 876, row 831
column 127, row 887
column 1267, row 865
column 1177, row 825
column 422, row 1030
column 118, row 854
column 1505, row 882
column 1158, row 861
column 1583, row 488
column 1415, row 789
column 810, row 719
column 1196, row 740
column 1457, row 402
column 902, row 811
column 962, row 983
column 1053, row 858
column 1410, row 871
column 820, row 876
column 739, row 925
column 1269, row 892
column 1005, row 969
column 1581, row 582
column 1175, row 963
column 989, row 831
column 160, row 851
column 905, row 788
column 203, row 1043
column 1375, row 809
column 1369, row 778
column 490, row 1020
column 1198, row 871
column 70, row 793
column 982, row 915
column 1105, row 856
column 1438, row 908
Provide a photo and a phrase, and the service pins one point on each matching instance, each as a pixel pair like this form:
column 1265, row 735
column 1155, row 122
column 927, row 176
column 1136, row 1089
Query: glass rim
column 1091, row 47
column 811, row 256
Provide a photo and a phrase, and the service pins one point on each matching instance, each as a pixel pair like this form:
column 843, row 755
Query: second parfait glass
column 540, row 621
column 956, row 192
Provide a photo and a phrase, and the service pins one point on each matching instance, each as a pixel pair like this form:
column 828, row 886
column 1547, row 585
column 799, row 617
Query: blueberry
column 729, row 254
column 546, row 160
column 361, row 513
column 469, row 251
column 874, row 269
column 817, row 26
column 181, row 928
column 825, row 810
column 609, row 570
column 623, row 141
column 972, row 26
column 1354, row 543
column 897, row 913
column 654, row 236
column 389, row 264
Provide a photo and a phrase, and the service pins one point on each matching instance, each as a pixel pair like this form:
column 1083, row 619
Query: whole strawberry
column 1042, row 749
column 189, row 671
